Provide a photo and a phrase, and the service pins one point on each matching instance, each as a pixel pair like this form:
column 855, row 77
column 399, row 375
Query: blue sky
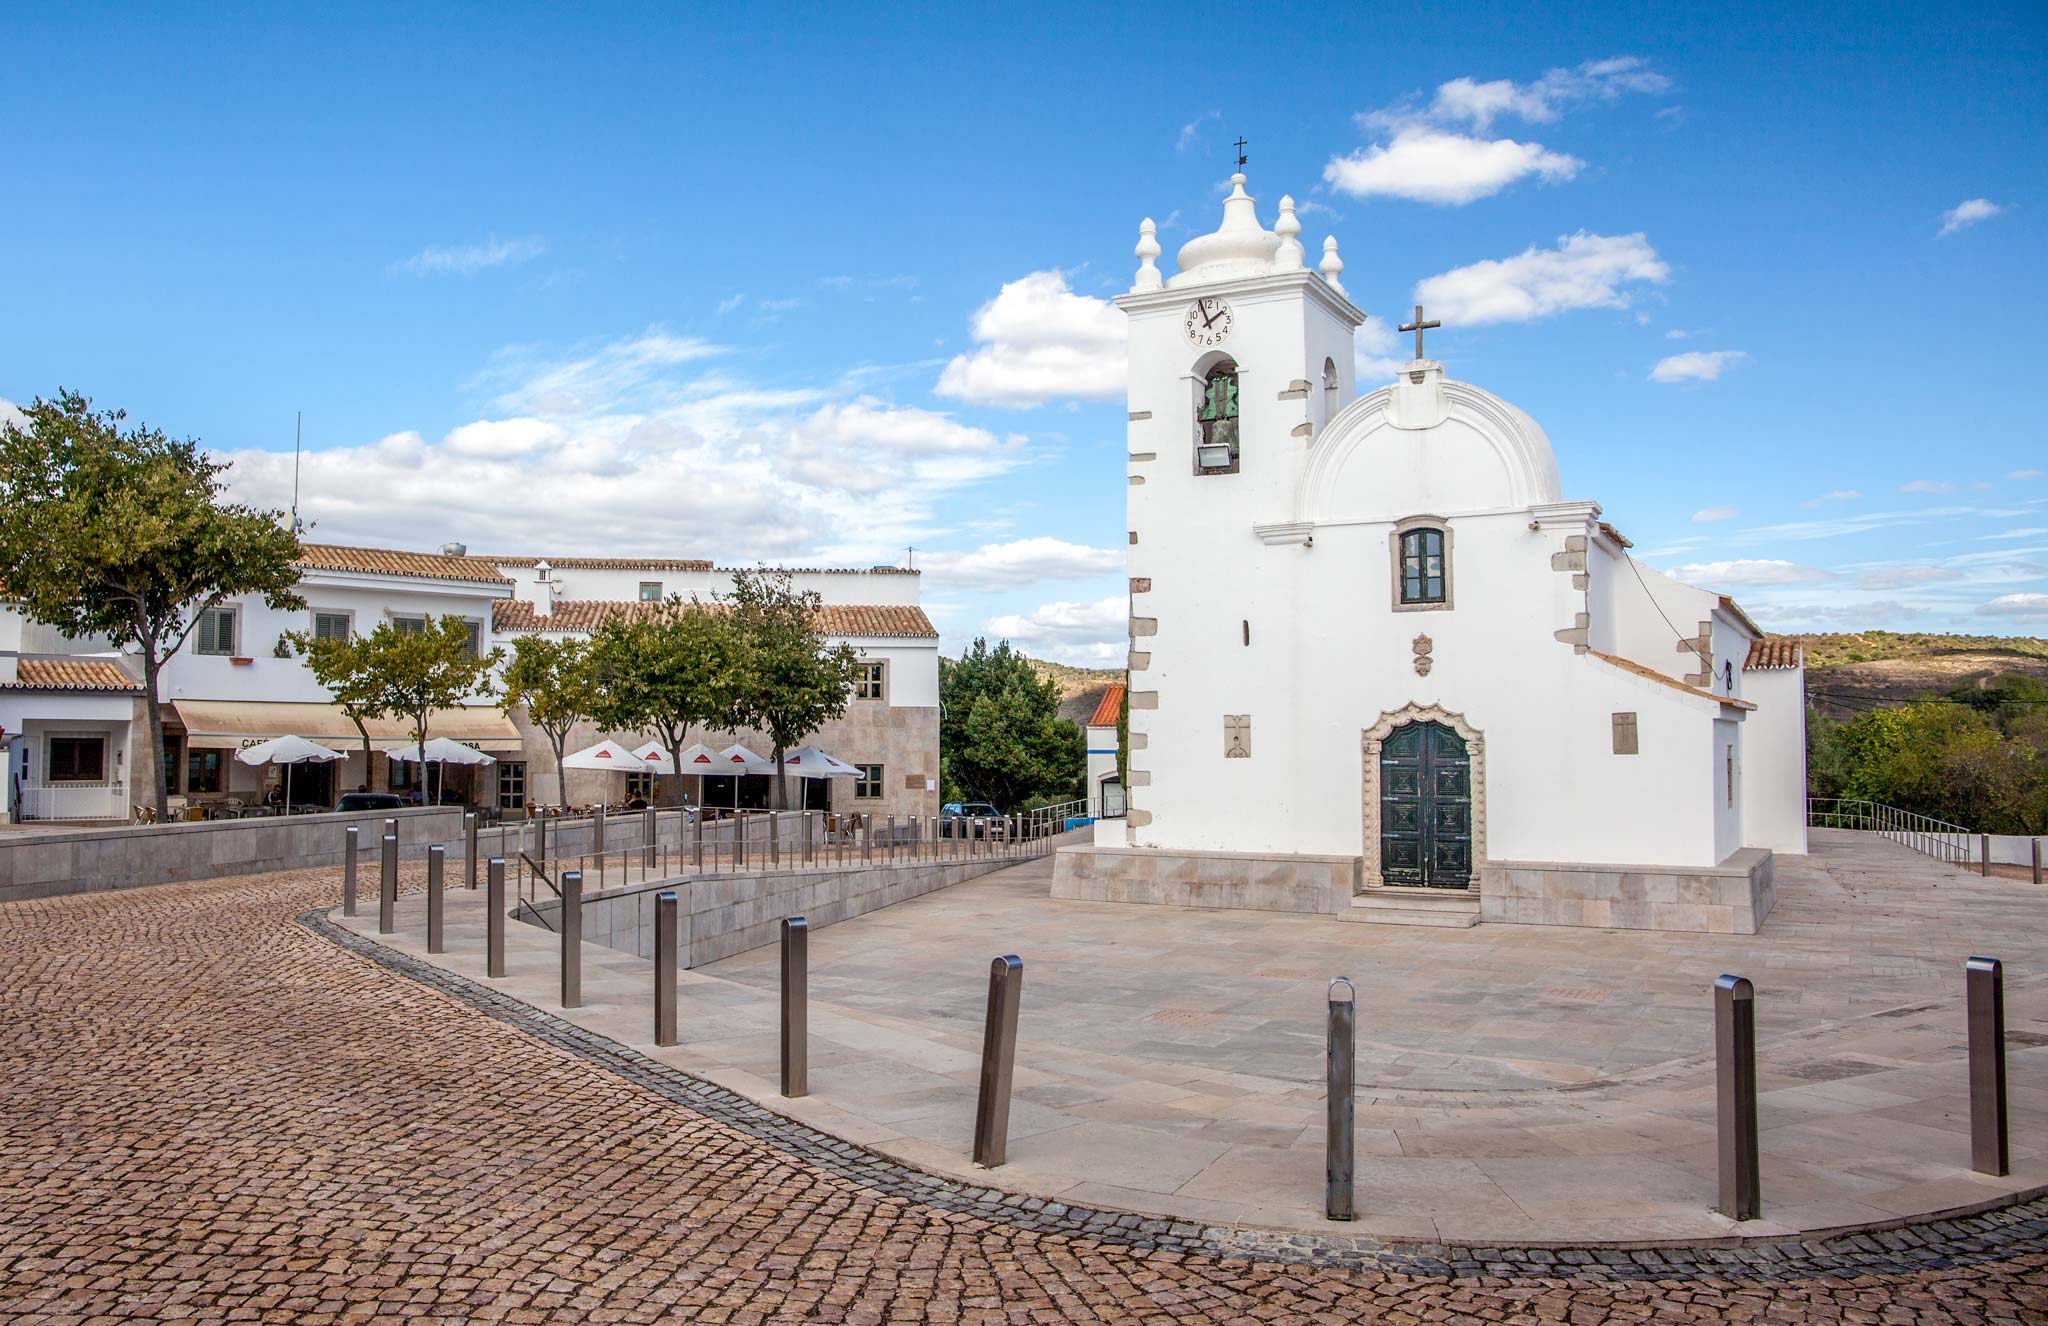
column 820, row 284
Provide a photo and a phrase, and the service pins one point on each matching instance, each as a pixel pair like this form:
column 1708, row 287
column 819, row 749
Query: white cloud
column 2024, row 474
column 1435, row 166
column 1696, row 365
column 1716, row 513
column 1019, row 562
column 1967, row 213
column 1927, row 486
column 1377, row 354
column 1081, row 633
column 10, row 413
column 730, row 303
column 627, row 446
column 469, row 259
column 1751, row 572
column 1905, row 577
column 1583, row 271
column 1838, row 495
column 1193, row 128
column 2021, row 607
column 1541, row 101
column 1039, row 341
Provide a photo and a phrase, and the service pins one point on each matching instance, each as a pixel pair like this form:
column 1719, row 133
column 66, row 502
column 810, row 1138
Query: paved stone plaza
column 212, row 1109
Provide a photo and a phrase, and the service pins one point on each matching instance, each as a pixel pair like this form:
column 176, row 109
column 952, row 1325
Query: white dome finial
column 1288, row 257
column 1147, row 250
column 1331, row 266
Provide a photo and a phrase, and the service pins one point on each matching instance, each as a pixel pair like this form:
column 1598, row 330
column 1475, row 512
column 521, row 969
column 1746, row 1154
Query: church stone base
column 1732, row 898
column 1242, row 881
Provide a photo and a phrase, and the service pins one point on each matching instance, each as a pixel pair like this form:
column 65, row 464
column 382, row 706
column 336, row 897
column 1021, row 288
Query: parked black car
column 956, row 818
column 370, row 801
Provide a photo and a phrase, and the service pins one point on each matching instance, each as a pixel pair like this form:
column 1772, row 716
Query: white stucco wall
column 1774, row 739
column 608, row 584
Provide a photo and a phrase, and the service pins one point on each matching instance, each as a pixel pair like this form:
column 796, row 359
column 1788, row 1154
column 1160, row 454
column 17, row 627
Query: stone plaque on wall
column 1237, row 736
column 1624, row 734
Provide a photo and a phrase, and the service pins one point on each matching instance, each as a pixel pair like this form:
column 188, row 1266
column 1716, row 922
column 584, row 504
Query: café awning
column 232, row 724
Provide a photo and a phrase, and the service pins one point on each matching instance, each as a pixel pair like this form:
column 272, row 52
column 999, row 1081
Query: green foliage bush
column 1976, row 757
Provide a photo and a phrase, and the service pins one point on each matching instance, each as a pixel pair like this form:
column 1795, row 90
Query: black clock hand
column 1209, row 320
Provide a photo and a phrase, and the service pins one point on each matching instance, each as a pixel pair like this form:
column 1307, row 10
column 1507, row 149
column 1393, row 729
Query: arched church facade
column 1381, row 668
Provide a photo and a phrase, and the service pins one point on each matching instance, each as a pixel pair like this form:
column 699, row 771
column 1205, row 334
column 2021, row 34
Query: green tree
column 665, row 671
column 793, row 681
column 1001, row 739
column 403, row 672
column 554, row 682
column 123, row 532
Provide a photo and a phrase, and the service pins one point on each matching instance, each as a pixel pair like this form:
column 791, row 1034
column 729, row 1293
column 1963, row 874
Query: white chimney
column 544, row 597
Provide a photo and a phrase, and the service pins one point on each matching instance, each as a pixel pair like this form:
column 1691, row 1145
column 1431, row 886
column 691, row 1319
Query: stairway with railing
column 1923, row 833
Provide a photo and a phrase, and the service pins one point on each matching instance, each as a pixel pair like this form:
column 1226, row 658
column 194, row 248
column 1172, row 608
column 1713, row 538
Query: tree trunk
column 369, row 756
column 781, row 780
column 675, row 757
column 155, row 717
column 561, row 774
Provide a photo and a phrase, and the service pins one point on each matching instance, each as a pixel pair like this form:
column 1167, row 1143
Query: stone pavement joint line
column 210, row 1113
column 1942, row 1243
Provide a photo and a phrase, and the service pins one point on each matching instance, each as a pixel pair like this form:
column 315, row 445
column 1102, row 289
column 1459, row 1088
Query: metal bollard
column 387, row 886
column 2037, row 861
column 597, row 832
column 810, row 837
column 889, row 844
column 437, row 863
column 1735, row 1091
column 665, row 958
column 1984, row 854
column 775, row 838
column 998, row 1061
column 1342, row 1076
column 349, row 841
column 739, row 838
column 469, row 825
column 652, row 838
column 796, row 1027
column 572, row 939
column 697, row 840
column 1984, row 993
column 494, row 919
column 867, row 837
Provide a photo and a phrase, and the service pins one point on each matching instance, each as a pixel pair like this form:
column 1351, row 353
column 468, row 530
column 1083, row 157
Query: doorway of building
column 1426, row 808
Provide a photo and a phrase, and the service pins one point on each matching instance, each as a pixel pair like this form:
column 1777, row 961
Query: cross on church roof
column 1241, row 158
column 1418, row 327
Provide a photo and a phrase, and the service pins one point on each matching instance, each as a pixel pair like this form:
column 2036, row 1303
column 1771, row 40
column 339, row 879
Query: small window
column 409, row 625
column 639, row 785
column 869, row 786
column 1216, row 435
column 1422, row 570
column 174, row 751
column 215, row 632
column 202, row 771
column 511, row 785
column 331, row 625
column 869, row 683
column 78, row 760
column 1329, row 391
column 650, row 591
column 402, row 776
column 476, row 638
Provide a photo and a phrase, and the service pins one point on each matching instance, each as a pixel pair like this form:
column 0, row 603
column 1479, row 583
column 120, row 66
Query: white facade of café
column 1543, row 730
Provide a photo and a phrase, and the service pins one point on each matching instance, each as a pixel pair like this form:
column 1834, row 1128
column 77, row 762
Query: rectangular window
column 650, row 591
column 203, row 770
column 404, row 775
column 869, row 786
column 639, row 784
column 476, row 638
column 331, row 625
column 174, row 750
column 868, row 683
column 215, row 633
column 511, row 785
column 409, row 625
column 78, row 760
column 1422, row 566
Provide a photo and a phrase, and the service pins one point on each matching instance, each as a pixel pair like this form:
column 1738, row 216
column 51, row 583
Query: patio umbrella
column 607, row 755
column 810, row 762
column 442, row 751
column 288, row 751
column 737, row 759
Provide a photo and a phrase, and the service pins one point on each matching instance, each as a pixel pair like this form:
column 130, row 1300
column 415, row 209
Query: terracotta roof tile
column 857, row 619
column 607, row 563
column 73, row 674
column 391, row 562
column 1775, row 651
column 1110, row 707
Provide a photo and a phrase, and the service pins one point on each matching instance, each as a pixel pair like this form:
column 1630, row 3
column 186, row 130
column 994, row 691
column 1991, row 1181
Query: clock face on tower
column 1207, row 322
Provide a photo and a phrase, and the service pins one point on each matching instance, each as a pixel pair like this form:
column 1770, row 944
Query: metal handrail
column 1042, row 821
column 1937, row 838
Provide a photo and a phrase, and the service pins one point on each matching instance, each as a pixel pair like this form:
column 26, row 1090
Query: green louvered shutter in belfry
column 1230, row 397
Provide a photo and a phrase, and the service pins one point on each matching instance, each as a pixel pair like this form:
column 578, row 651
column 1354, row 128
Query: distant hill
column 1080, row 688
column 1852, row 672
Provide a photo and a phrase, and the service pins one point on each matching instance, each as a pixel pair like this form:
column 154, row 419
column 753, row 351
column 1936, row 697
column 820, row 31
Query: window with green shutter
column 215, row 633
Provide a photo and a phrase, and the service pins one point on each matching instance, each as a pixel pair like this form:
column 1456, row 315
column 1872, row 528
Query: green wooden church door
column 1426, row 808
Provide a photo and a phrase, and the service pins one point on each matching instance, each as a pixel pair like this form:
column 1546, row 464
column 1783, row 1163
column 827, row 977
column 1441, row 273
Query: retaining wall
column 59, row 861
column 724, row 914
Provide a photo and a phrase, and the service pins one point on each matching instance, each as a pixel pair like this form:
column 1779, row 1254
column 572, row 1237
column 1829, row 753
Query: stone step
column 1455, row 909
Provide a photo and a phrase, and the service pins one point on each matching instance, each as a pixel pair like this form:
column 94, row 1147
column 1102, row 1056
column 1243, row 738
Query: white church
column 1382, row 669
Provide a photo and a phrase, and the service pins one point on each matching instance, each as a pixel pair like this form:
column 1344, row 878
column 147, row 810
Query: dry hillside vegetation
column 1851, row 673
column 1080, row 688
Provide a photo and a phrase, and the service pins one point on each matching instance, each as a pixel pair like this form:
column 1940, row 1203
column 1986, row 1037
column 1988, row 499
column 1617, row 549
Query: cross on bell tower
column 1418, row 327
column 1241, row 158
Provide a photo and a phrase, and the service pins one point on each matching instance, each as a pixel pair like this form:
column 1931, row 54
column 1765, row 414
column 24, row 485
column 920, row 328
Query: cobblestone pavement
column 212, row 1110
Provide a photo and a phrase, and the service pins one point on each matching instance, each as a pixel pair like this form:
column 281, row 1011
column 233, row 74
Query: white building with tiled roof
column 75, row 739
column 1381, row 667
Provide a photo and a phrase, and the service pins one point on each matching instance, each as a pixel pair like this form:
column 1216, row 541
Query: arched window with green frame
column 1424, row 570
